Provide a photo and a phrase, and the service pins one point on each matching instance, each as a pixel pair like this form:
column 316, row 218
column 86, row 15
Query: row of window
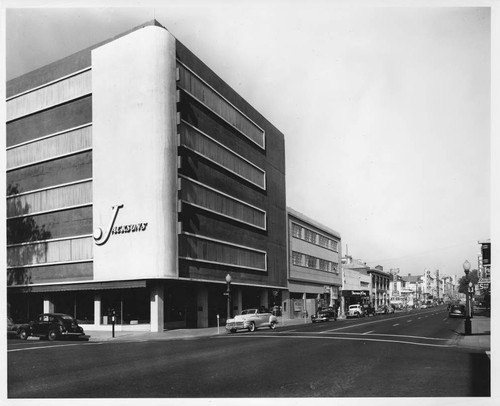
column 309, row 261
column 198, row 248
column 213, row 200
column 50, row 95
column 50, row 147
column 313, row 237
column 200, row 90
column 214, row 151
column 76, row 249
column 50, row 199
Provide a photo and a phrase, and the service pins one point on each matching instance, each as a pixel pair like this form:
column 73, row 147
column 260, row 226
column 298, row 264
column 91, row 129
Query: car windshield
column 249, row 311
column 66, row 317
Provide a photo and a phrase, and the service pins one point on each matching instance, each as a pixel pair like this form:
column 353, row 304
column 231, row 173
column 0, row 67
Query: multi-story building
column 380, row 284
column 137, row 181
column 314, row 278
column 356, row 283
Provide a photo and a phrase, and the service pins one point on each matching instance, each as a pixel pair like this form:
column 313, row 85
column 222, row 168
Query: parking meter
column 113, row 319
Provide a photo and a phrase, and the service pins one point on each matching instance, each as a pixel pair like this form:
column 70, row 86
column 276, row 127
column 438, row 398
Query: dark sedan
column 457, row 311
column 324, row 315
column 52, row 326
column 13, row 328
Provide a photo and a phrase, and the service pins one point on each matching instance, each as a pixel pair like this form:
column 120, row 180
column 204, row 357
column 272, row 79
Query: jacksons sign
column 101, row 237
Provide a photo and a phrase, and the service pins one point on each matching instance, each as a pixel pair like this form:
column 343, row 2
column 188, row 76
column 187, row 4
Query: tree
column 463, row 282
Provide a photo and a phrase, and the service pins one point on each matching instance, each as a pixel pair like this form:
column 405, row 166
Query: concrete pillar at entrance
column 97, row 309
column 48, row 306
column 202, row 304
column 264, row 298
column 156, row 300
column 237, row 301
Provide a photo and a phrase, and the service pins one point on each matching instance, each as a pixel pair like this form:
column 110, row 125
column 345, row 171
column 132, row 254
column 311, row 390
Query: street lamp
column 228, row 293
column 467, row 322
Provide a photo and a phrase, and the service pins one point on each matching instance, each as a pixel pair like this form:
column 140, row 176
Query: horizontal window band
column 76, row 237
column 50, row 148
column 220, row 95
column 49, row 136
column 80, row 261
column 202, row 237
column 222, row 215
column 51, row 210
column 222, row 118
column 230, row 151
column 80, row 96
column 81, row 151
column 88, row 180
column 225, row 168
column 223, row 264
column 316, row 269
column 50, row 83
column 221, row 193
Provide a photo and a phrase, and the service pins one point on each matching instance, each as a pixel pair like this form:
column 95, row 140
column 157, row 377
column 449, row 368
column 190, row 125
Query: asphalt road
column 403, row 355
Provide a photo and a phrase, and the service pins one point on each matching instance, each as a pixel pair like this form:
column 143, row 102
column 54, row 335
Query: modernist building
column 137, row 180
column 314, row 278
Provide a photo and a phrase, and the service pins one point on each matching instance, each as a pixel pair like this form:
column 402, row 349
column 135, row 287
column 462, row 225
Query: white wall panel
column 135, row 154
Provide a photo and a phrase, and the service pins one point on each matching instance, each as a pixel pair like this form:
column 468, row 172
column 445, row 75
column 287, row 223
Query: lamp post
column 467, row 322
column 228, row 293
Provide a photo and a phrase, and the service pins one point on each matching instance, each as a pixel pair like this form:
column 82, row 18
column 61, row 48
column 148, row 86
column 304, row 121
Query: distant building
column 380, row 285
column 356, row 283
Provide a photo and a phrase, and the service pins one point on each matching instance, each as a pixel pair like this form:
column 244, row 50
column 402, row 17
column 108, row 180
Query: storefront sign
column 101, row 237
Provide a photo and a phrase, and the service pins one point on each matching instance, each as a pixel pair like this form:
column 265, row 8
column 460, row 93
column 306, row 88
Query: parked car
column 251, row 320
column 369, row 310
column 52, row 326
column 384, row 309
column 457, row 310
column 324, row 315
column 355, row 311
column 13, row 328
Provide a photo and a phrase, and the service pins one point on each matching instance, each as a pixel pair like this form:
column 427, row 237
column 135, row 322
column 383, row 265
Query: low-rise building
column 314, row 277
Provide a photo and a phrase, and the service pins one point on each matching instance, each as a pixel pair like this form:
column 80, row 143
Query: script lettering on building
column 129, row 228
column 101, row 237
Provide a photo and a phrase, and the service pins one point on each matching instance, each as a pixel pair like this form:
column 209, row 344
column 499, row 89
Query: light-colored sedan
column 251, row 319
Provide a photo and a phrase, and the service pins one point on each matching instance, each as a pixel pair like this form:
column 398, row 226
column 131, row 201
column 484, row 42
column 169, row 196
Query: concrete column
column 237, row 301
column 202, row 304
column 48, row 306
column 264, row 297
column 156, row 300
column 97, row 309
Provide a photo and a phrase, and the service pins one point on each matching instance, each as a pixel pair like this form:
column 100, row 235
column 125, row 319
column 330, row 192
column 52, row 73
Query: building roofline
column 314, row 223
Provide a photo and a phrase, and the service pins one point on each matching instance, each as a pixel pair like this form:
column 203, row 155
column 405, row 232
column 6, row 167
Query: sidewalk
column 481, row 332
column 479, row 339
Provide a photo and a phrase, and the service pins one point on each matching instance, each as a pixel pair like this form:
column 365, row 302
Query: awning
column 81, row 286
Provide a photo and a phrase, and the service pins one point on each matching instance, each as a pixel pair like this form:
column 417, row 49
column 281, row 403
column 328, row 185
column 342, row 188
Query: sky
column 385, row 110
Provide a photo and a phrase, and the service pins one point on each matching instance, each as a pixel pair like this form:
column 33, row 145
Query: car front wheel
column 272, row 326
column 251, row 327
column 52, row 335
column 23, row 334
